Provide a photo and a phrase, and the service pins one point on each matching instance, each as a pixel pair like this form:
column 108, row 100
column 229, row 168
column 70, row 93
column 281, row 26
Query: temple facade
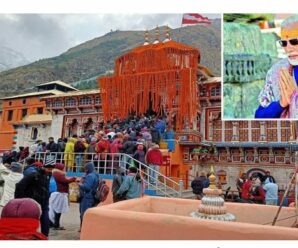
column 75, row 112
column 235, row 147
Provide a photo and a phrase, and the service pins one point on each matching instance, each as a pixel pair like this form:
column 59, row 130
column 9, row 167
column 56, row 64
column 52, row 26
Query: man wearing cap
column 279, row 97
column 15, row 175
column 32, row 166
column 36, row 186
column 269, row 177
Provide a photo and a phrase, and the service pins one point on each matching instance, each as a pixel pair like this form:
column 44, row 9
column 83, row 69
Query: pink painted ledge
column 156, row 218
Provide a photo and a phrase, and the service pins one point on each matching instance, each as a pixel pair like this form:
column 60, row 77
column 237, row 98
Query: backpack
column 101, row 192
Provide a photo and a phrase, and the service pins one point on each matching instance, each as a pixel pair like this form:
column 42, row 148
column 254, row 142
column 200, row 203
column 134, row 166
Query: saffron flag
column 195, row 19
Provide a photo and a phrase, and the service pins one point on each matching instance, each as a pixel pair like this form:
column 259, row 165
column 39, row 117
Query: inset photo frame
column 260, row 71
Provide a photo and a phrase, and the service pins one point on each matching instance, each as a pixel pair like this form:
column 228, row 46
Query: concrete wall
column 151, row 218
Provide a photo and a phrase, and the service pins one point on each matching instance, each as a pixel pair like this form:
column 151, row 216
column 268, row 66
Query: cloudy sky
column 46, row 35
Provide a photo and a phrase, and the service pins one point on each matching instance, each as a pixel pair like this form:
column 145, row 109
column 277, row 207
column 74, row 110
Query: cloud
column 47, row 35
column 36, row 36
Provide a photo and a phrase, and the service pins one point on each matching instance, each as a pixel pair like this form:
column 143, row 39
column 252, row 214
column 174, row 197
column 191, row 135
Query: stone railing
column 244, row 68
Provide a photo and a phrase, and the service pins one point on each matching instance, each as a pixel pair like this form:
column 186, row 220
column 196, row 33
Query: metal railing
column 108, row 163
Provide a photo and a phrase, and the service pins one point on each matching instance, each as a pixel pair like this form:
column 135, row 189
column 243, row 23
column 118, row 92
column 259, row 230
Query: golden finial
column 156, row 35
column 146, row 38
column 212, row 179
column 167, row 34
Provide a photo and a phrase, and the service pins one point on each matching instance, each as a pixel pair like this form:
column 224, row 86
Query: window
column 222, row 177
column 243, row 131
column 10, row 103
column 70, row 102
column 85, row 101
column 272, row 132
column 217, row 131
column 228, row 130
column 24, row 101
column 215, row 91
column 97, row 100
column 34, row 133
column 285, row 131
column 40, row 111
column 24, row 112
column 10, row 115
column 57, row 103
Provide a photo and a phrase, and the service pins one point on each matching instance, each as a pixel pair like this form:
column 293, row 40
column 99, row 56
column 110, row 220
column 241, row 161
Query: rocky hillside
column 10, row 58
column 96, row 57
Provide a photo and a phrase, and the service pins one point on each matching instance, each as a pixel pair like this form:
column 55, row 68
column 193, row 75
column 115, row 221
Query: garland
column 164, row 75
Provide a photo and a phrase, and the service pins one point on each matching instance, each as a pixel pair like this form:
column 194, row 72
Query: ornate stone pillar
column 263, row 136
column 223, row 131
column 256, row 155
column 80, row 127
column 215, row 154
column 293, row 127
column 271, row 155
column 229, row 158
column 210, row 133
column 287, row 156
column 235, row 137
column 241, row 154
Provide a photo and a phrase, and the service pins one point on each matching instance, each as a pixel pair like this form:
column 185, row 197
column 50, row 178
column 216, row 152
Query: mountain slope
column 10, row 58
column 96, row 57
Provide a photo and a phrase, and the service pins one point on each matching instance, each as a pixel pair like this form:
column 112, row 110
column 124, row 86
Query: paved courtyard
column 71, row 222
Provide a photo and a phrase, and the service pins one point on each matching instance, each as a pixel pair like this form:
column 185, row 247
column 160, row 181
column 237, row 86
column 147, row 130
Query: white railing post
column 112, row 167
column 180, row 188
column 105, row 164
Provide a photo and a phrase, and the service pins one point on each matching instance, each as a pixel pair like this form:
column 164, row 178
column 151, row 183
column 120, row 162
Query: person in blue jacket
column 88, row 186
column 132, row 185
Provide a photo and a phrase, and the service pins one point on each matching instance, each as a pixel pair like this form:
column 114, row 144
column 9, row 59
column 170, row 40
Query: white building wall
column 56, row 128
column 24, row 137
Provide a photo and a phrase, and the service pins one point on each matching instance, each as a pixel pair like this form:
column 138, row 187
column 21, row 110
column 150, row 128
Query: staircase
column 165, row 187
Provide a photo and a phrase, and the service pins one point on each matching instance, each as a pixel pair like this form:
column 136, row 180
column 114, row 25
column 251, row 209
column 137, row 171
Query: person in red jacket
column 154, row 160
column 256, row 192
column 245, row 190
column 102, row 148
column 59, row 200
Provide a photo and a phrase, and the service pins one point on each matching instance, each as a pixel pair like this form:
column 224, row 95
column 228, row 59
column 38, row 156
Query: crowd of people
column 257, row 189
column 47, row 184
column 132, row 137
column 34, row 183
